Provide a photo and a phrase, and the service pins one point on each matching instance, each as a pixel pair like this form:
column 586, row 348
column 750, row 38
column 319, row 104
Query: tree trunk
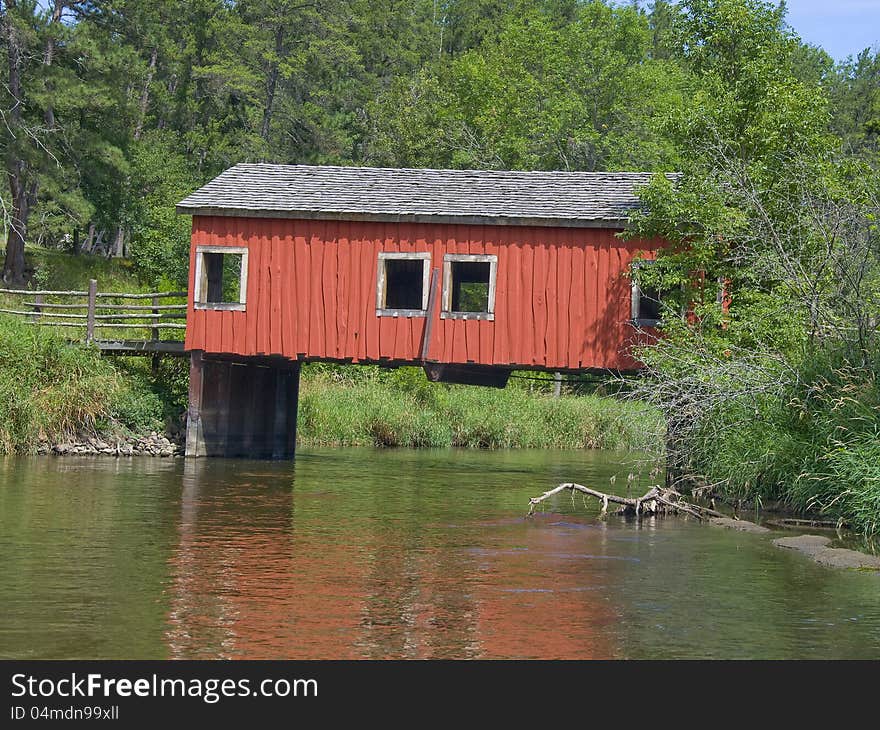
column 23, row 182
column 13, row 266
column 118, row 247
column 145, row 95
column 272, row 83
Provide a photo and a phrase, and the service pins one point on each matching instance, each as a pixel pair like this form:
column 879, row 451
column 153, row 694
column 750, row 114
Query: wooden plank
column 371, row 321
column 563, row 298
column 254, row 286
column 301, row 239
column 344, row 266
column 90, row 316
column 353, row 295
column 150, row 295
column 264, row 304
column 459, row 331
column 288, row 285
column 551, row 351
column 191, row 336
column 433, row 306
column 316, row 300
column 512, row 310
column 591, row 275
column 328, row 290
column 537, row 356
column 577, row 302
column 145, row 347
column 276, row 285
column 602, row 344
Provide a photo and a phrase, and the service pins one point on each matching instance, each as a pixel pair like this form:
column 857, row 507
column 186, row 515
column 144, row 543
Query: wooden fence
column 102, row 315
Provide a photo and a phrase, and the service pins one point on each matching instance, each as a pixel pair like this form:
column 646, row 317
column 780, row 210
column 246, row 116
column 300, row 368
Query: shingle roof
column 436, row 196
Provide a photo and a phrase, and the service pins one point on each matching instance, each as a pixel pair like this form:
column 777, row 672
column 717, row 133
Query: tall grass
column 403, row 409
column 816, row 448
column 51, row 389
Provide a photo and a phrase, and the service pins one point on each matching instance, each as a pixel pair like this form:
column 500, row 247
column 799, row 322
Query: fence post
column 90, row 316
column 38, row 301
column 155, row 335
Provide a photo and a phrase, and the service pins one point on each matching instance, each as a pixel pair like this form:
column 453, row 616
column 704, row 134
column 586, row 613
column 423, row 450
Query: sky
column 841, row 27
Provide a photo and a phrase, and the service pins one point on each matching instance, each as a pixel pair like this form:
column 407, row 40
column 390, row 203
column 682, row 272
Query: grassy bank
column 815, row 447
column 367, row 406
column 51, row 390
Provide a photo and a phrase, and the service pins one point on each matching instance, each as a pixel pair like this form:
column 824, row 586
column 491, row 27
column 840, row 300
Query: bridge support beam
column 243, row 407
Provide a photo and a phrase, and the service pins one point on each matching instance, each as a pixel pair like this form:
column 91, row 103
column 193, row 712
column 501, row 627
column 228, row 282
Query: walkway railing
column 102, row 316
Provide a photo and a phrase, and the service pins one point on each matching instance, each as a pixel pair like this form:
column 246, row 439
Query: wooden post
column 557, row 384
column 242, row 408
column 38, row 300
column 90, row 316
column 432, row 306
column 155, row 335
column 195, row 439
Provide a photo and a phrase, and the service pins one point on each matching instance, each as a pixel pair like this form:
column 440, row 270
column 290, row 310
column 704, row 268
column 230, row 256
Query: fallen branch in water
column 657, row 500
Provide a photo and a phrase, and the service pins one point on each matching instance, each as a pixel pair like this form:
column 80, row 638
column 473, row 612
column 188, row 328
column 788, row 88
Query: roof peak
column 454, row 170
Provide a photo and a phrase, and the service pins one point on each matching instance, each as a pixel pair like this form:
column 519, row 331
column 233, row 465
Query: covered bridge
column 470, row 274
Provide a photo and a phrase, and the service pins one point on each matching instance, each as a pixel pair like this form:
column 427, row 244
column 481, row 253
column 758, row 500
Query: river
column 352, row 553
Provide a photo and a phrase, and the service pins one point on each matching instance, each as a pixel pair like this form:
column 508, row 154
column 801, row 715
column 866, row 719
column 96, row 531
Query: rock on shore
column 816, row 546
column 152, row 444
column 740, row 525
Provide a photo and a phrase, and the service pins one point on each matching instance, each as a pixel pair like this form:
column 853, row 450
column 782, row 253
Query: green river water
column 352, row 553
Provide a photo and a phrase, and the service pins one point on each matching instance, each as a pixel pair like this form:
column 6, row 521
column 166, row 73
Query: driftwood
column 657, row 500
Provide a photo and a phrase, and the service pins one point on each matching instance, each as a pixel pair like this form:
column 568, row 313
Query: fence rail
column 97, row 316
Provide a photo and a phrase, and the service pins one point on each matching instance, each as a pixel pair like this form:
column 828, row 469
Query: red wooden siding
column 561, row 298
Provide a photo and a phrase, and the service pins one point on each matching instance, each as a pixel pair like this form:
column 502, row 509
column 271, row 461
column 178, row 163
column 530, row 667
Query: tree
column 558, row 87
column 31, row 38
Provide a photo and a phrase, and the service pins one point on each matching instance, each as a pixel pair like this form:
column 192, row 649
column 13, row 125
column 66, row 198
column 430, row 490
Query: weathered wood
column 147, row 295
column 90, row 317
column 38, row 307
column 30, row 314
column 173, row 348
column 154, row 335
column 432, row 311
column 146, row 315
column 144, row 307
column 127, row 307
column 45, row 292
column 195, row 440
column 244, row 407
column 38, row 301
column 142, row 326
column 656, row 500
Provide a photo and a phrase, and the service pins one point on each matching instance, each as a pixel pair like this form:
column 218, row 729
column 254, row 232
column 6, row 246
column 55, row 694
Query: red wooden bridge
column 470, row 274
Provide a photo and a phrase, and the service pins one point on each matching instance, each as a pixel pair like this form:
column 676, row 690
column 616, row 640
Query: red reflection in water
column 246, row 583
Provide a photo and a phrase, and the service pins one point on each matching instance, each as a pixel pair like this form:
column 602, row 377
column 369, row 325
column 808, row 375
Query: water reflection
column 384, row 554
column 256, row 574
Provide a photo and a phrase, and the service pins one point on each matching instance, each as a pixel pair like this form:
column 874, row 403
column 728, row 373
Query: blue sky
column 841, row 27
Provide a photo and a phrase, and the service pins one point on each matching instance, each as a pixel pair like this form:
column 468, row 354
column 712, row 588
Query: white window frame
column 636, row 299
column 450, row 258
column 201, row 279
column 381, row 309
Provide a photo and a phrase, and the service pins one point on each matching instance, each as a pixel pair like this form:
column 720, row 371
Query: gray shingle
column 420, row 195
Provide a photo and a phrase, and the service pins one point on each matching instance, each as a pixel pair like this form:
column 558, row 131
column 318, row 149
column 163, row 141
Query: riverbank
column 65, row 398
